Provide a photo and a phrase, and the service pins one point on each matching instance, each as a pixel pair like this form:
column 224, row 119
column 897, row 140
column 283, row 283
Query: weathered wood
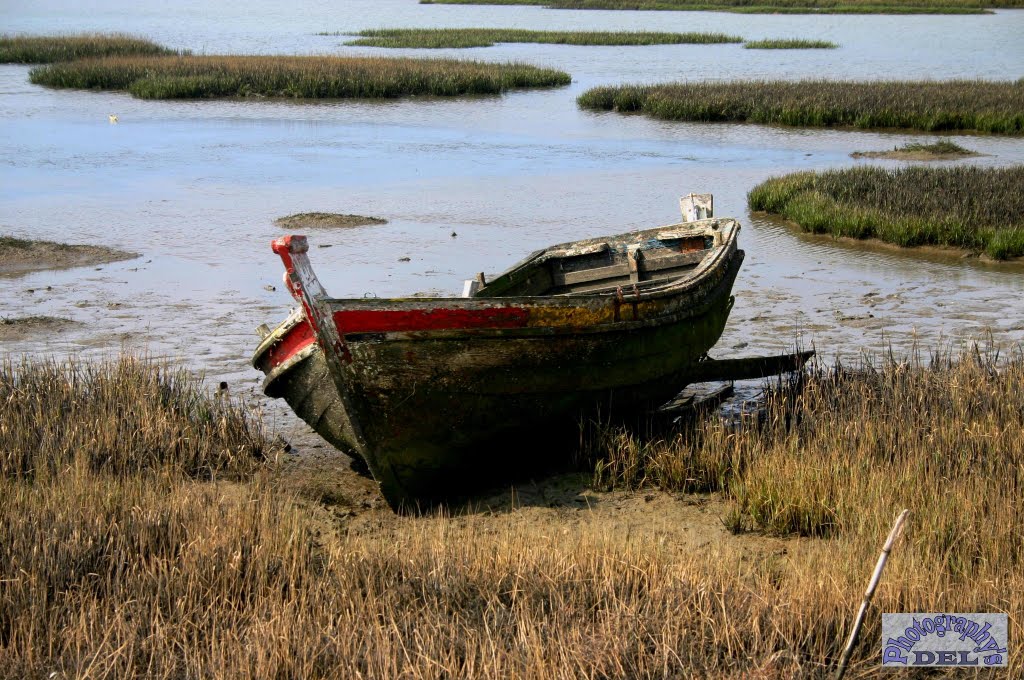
column 747, row 368
column 435, row 387
column 696, row 207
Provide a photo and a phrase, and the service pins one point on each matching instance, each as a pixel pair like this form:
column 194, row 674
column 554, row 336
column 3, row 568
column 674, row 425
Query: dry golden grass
column 135, row 570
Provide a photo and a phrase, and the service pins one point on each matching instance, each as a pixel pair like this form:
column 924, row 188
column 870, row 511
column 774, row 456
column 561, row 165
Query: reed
column 191, row 77
column 839, row 455
column 766, row 6
column 44, row 49
column 121, row 417
column 124, row 571
column 974, row 208
column 789, row 44
column 487, row 37
column 982, row 106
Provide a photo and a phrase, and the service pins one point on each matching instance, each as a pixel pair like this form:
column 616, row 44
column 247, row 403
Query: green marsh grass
column 974, row 208
column 765, row 7
column 194, row 77
column 789, row 44
column 44, row 49
column 143, row 569
column 939, row 148
column 982, row 106
column 487, row 37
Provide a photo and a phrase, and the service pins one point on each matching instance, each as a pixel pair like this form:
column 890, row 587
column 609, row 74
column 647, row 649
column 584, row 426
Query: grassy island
column 974, row 208
column 45, row 49
column 789, row 44
column 487, row 37
column 976, row 105
column 193, row 77
column 765, row 6
column 941, row 150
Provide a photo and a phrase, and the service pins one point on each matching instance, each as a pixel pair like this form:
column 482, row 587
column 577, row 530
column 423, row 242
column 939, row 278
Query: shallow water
column 195, row 186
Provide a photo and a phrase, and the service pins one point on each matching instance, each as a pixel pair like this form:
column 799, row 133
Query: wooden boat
column 434, row 393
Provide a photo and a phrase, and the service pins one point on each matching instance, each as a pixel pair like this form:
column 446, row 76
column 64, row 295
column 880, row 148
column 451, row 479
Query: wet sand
column 19, row 256
column 16, row 329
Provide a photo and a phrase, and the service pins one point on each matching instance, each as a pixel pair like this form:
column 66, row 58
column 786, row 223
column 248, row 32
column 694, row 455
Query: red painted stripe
column 298, row 338
column 385, row 321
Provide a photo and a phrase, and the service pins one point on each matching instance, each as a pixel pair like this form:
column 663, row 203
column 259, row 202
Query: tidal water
column 195, row 186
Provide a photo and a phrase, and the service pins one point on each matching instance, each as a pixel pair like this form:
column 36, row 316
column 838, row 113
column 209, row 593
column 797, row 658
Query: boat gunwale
column 675, row 287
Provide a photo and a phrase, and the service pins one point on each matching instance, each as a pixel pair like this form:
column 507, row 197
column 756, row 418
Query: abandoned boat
column 429, row 392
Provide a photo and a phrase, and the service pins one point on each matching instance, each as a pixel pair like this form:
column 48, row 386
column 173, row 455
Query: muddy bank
column 320, row 220
column 25, row 327
column 902, row 155
column 20, row 256
column 345, row 503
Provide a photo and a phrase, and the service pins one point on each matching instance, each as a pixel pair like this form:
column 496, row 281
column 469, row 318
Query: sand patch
column 19, row 256
column 320, row 220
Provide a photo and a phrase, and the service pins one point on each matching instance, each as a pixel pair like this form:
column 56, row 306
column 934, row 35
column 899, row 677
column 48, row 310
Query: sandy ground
column 21, row 257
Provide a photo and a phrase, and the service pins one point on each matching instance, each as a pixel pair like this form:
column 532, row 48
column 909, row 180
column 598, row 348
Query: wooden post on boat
column 697, row 207
column 305, row 287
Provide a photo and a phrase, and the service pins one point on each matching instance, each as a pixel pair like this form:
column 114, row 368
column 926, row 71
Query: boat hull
column 444, row 411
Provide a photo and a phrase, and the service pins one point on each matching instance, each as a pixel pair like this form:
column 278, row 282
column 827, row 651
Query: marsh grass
column 918, row 151
column 941, row 147
column 192, row 77
column 764, row 7
column 43, row 49
column 974, row 208
column 122, row 417
column 982, row 106
column 840, row 456
column 142, row 569
column 13, row 242
column 487, row 37
column 789, row 44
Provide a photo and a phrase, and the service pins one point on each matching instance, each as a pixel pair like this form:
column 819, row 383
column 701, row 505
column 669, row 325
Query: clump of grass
column 320, row 220
column 978, row 209
column 789, row 44
column 121, row 417
column 12, row 242
column 487, row 37
column 44, row 49
column 764, row 7
column 941, row 147
column 982, row 106
column 938, row 150
column 191, row 77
